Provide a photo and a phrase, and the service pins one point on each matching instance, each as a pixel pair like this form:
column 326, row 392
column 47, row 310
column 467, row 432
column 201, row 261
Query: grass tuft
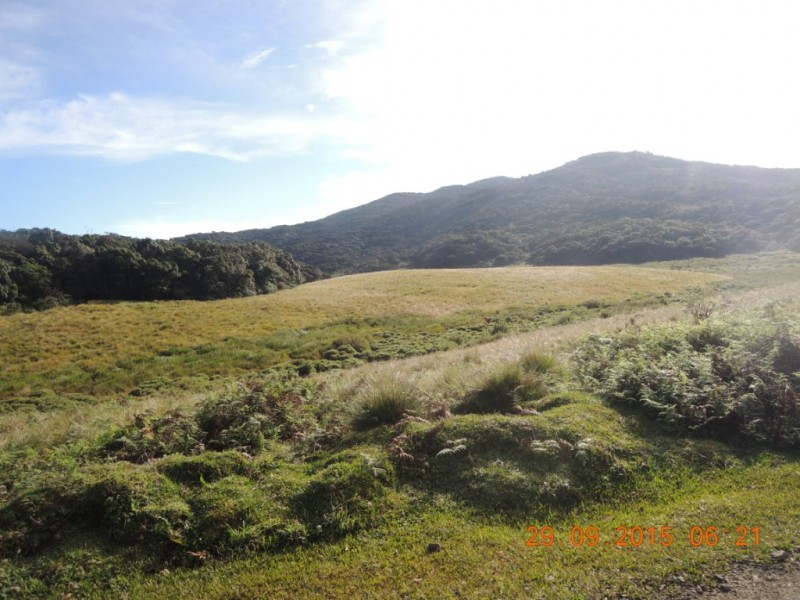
column 503, row 390
column 385, row 401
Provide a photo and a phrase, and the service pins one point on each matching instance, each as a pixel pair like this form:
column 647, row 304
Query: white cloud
column 125, row 128
column 251, row 61
column 411, row 95
column 21, row 76
column 20, row 17
column 332, row 47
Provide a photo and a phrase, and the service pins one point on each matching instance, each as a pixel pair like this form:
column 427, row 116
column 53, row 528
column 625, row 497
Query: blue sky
column 163, row 117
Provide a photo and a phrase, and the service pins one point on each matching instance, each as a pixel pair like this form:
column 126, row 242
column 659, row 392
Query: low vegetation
column 287, row 485
column 732, row 380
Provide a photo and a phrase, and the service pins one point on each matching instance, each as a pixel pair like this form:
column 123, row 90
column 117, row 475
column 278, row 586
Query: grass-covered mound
column 223, row 479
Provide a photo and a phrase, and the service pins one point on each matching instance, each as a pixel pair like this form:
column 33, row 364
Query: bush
column 205, row 468
column 234, row 514
column 534, row 362
column 726, row 380
column 137, row 504
column 353, row 342
column 498, row 463
column 153, row 437
column 38, row 508
column 256, row 412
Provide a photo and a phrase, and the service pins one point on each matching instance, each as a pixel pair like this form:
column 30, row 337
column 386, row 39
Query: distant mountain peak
column 604, row 207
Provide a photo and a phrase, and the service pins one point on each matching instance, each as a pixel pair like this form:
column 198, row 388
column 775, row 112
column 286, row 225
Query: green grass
column 207, row 484
column 483, row 558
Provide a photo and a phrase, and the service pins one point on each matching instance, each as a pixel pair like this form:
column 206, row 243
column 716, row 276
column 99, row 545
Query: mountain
column 603, row 208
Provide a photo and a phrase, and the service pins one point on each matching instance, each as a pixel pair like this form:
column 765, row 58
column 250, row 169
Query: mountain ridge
column 600, row 208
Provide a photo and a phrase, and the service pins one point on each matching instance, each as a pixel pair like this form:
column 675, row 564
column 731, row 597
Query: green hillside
column 600, row 209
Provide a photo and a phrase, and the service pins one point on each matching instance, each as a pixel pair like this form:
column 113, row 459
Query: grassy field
column 108, row 350
column 309, row 444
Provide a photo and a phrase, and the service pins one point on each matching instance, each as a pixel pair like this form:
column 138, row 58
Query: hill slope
column 603, row 208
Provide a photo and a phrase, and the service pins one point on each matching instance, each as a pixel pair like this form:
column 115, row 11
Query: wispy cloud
column 252, row 61
column 125, row 128
column 21, row 76
column 18, row 80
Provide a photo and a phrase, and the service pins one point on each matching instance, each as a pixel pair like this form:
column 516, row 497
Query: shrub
column 255, row 412
column 534, row 362
column 354, row 342
column 785, row 354
column 138, row 504
column 38, row 508
column 205, row 468
column 512, row 464
column 153, row 437
column 726, row 380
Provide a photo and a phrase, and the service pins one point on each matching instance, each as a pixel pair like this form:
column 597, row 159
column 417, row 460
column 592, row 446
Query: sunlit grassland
column 107, row 349
column 468, row 464
column 482, row 558
column 745, row 271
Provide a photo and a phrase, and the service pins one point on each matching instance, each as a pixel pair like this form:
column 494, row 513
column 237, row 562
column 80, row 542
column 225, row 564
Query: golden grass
column 97, row 335
column 444, row 292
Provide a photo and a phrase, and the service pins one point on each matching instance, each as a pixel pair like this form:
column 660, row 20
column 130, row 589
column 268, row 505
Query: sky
column 159, row 118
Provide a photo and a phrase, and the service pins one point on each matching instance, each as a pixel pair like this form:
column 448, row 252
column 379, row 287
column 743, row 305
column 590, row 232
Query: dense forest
column 42, row 268
column 604, row 208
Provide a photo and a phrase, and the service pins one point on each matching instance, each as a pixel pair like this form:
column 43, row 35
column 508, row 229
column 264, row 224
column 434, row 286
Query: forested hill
column 41, row 268
column 603, row 208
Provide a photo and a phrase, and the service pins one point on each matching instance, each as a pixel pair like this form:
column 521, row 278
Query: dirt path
column 747, row 581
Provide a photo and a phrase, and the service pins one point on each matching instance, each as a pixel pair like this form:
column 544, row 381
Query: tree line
column 42, row 268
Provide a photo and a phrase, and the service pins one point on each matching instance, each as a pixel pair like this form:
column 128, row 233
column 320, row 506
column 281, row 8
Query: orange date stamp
column 637, row 536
